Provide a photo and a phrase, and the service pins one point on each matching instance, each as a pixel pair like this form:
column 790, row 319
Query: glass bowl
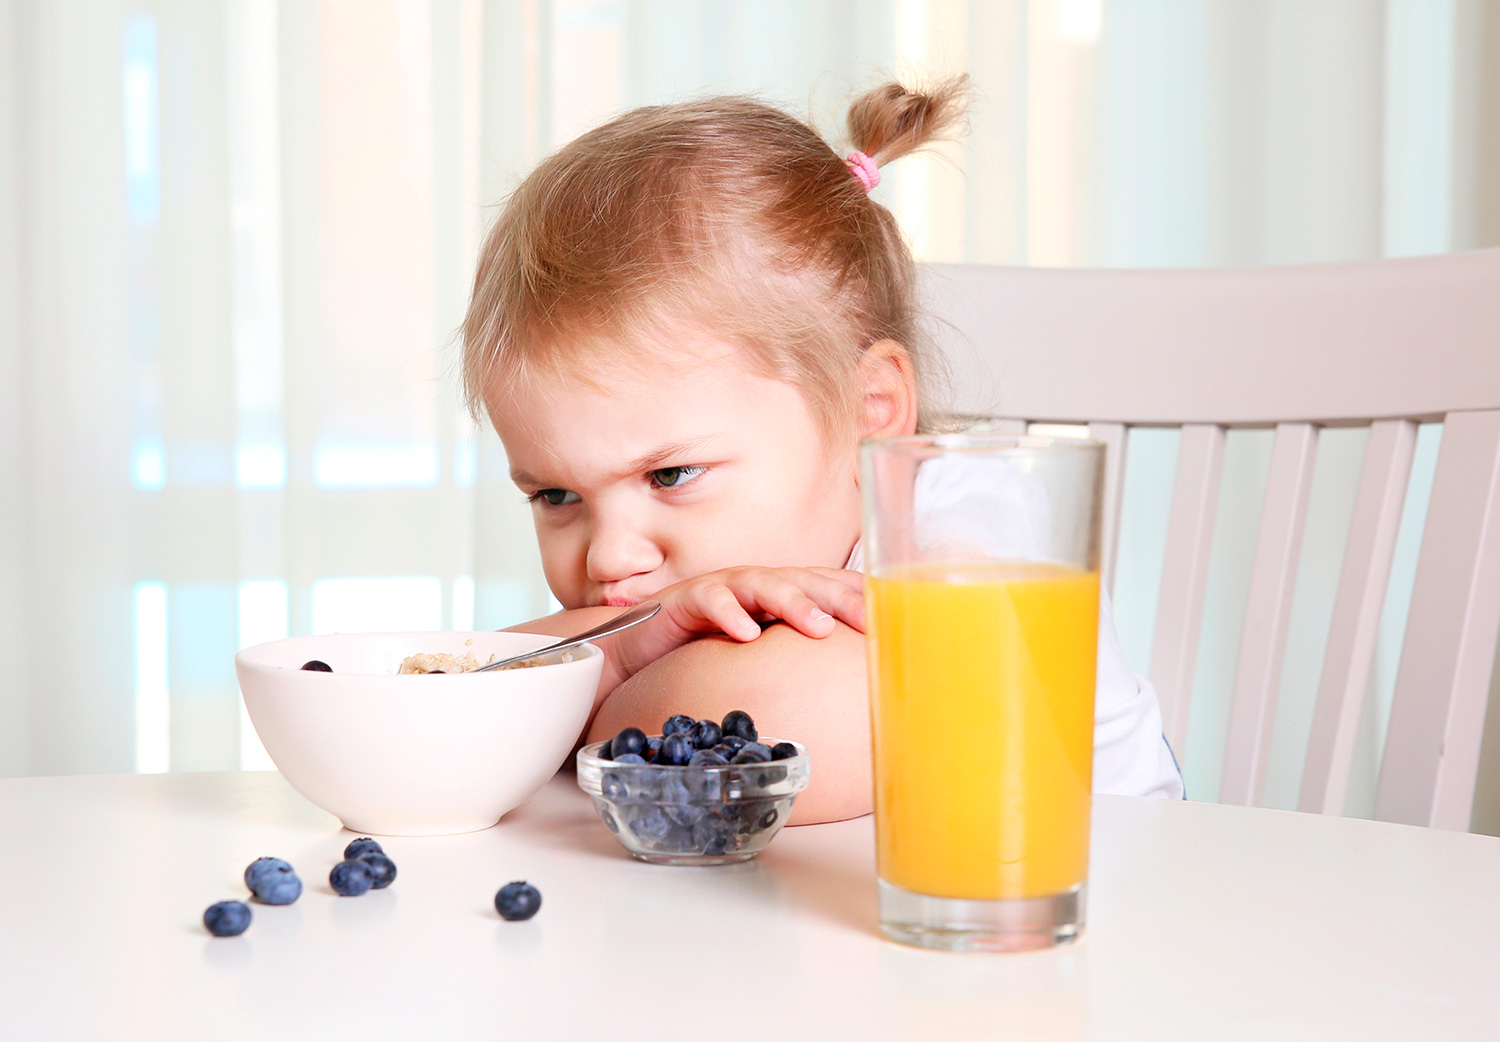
column 693, row 815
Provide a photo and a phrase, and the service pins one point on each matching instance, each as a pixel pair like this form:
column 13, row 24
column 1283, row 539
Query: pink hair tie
column 864, row 170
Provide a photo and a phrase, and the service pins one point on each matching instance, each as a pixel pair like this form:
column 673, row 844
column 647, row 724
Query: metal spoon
column 623, row 621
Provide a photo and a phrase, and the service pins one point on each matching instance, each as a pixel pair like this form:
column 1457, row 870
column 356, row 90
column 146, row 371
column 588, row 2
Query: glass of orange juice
column 982, row 565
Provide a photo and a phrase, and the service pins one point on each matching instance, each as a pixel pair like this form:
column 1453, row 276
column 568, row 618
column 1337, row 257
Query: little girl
column 683, row 323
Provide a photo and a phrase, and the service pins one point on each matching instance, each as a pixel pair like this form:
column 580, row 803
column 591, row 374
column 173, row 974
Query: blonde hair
column 725, row 213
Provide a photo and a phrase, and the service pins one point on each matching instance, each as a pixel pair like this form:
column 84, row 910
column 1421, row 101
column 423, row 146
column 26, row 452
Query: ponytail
column 892, row 121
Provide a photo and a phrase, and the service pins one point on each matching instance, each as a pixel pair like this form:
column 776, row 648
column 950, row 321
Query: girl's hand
column 734, row 602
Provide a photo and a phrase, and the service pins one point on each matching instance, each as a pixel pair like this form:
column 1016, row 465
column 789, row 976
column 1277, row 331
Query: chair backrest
column 1387, row 344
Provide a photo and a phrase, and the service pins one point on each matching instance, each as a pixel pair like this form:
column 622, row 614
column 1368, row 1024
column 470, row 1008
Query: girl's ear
column 889, row 404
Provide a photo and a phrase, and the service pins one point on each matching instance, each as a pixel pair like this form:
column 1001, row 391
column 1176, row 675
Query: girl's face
column 683, row 465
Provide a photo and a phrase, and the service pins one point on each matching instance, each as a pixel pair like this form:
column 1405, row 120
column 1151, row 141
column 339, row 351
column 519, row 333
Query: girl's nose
column 618, row 551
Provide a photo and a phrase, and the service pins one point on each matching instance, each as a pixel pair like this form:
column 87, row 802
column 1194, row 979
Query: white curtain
column 236, row 237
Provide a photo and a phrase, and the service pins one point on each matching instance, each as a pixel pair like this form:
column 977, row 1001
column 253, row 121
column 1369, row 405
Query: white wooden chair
column 1385, row 343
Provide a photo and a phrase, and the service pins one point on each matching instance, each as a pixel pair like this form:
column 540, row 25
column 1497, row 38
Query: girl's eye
column 554, row 497
column 669, row 477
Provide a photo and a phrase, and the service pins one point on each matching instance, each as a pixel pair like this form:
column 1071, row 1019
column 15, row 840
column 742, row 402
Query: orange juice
column 982, row 684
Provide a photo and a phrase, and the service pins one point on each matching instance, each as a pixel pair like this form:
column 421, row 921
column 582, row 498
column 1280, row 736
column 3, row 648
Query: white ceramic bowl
column 416, row 755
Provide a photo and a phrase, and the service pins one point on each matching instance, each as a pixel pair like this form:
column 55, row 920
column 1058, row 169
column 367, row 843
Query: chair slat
column 1184, row 580
column 1431, row 754
column 1113, row 437
column 1273, row 579
column 1356, row 615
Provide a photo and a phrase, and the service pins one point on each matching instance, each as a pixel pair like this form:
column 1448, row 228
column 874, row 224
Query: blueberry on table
column 382, row 869
column 317, row 666
column 676, row 750
column 737, row 722
column 351, row 878
column 630, row 740
column 679, row 723
column 517, row 901
column 783, row 751
column 278, row 885
column 262, row 865
column 705, row 734
column 227, row 918
column 362, row 846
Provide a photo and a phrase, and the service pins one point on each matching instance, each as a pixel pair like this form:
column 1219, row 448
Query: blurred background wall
column 236, row 237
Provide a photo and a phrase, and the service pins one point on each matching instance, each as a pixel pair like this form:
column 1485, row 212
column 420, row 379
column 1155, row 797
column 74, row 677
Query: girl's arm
column 733, row 602
column 811, row 690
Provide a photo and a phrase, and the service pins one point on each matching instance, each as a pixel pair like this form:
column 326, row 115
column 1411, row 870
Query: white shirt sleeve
column 1131, row 756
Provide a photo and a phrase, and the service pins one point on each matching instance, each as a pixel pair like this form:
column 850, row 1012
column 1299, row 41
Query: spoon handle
column 629, row 617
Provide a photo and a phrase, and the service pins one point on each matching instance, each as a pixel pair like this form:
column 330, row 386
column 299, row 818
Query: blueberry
column 362, row 846
column 517, row 901
column 734, row 743
column 676, row 750
column 317, row 666
column 768, row 819
column 770, row 776
column 262, row 865
column 644, row 785
column 679, row 840
column 711, row 834
column 609, row 820
column 351, row 878
column 684, row 814
column 382, row 869
column 678, row 803
column 708, row 758
column 680, row 723
column 783, row 751
column 653, row 748
column 606, row 751
column 705, row 734
column 227, row 918
column 277, row 886
column 737, row 722
column 612, row 786
column 753, row 752
column 652, row 825
column 630, row 740
column 635, row 758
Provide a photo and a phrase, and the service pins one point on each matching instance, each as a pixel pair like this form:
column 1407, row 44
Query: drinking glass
column 981, row 555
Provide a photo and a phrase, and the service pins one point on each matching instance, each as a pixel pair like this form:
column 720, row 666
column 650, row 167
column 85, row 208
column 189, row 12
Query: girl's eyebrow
column 680, row 452
column 653, row 460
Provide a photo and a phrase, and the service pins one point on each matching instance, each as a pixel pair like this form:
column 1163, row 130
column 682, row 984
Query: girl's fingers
column 722, row 607
column 808, row 605
column 837, row 595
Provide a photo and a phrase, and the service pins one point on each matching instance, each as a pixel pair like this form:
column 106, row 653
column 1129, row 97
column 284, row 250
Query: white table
column 1206, row 922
